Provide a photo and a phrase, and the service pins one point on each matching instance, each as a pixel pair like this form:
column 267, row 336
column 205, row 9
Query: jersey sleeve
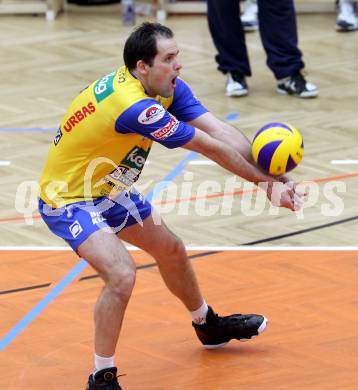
column 150, row 119
column 185, row 105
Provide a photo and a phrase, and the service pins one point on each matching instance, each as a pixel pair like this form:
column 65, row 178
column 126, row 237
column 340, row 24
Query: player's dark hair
column 142, row 43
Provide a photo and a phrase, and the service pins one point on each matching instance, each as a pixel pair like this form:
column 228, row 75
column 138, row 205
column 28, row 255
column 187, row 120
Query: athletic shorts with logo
column 75, row 222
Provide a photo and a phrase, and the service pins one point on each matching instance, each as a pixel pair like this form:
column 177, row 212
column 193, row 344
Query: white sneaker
column 347, row 17
column 249, row 16
column 236, row 85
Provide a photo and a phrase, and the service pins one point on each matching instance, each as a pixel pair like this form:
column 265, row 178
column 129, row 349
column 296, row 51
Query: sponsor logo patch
column 151, row 114
column 96, row 217
column 104, row 87
column 135, row 158
column 166, row 131
column 58, row 136
column 75, row 229
column 79, row 116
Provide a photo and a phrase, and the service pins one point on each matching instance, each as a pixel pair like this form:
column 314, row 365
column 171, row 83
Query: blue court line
column 78, row 268
column 171, row 176
column 232, row 116
column 33, row 129
column 33, row 313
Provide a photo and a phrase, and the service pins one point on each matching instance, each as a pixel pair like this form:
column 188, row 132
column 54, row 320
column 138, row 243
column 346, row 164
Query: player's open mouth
column 174, row 81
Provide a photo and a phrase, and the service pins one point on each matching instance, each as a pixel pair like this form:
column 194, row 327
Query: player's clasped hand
column 288, row 195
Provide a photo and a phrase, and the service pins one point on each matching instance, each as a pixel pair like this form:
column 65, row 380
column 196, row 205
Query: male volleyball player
column 87, row 195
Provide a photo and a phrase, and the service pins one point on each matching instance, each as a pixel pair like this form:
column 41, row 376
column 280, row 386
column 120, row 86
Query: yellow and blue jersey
column 106, row 135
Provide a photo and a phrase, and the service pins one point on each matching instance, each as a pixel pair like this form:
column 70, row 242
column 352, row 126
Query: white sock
column 102, row 362
column 199, row 315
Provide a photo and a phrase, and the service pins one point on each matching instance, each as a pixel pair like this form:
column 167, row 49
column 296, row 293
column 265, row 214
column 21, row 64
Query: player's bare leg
column 115, row 266
column 170, row 254
column 174, row 265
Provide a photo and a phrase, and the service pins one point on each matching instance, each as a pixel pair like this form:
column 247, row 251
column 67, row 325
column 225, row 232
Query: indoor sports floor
column 300, row 270
column 311, row 341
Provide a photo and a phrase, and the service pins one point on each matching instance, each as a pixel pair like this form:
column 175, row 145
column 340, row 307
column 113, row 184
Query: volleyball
column 277, row 148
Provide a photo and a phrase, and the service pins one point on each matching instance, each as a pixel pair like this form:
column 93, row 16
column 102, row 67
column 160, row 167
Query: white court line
column 202, row 162
column 5, row 163
column 200, row 248
column 344, row 162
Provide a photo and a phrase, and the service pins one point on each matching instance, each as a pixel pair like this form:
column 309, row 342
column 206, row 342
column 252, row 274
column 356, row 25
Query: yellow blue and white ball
column 277, row 148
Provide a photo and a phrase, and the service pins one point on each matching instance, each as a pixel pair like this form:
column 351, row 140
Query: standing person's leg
column 228, row 36
column 229, row 39
column 278, row 30
column 170, row 254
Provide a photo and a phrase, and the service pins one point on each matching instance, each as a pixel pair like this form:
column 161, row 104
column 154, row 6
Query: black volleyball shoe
column 105, row 379
column 217, row 331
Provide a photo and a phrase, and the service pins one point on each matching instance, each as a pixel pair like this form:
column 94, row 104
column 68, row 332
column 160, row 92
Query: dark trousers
column 278, row 30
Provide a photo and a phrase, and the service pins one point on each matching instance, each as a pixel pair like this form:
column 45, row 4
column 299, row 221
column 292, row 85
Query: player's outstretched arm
column 224, row 132
column 228, row 157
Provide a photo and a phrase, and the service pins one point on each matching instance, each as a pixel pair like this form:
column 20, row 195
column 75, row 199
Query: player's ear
column 142, row 67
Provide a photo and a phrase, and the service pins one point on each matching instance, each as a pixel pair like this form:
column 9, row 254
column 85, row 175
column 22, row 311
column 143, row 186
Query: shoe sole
column 346, row 29
column 237, row 93
column 216, row 346
column 308, row 95
column 250, row 28
column 261, row 329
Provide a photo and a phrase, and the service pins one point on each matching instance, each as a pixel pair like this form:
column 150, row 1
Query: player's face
column 165, row 68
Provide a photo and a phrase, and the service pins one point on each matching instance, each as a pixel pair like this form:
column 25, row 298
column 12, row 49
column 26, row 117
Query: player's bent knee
column 122, row 282
column 177, row 249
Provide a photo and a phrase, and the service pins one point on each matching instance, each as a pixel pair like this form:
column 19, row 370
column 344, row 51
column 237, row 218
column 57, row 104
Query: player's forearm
column 227, row 156
column 234, row 137
column 224, row 132
column 235, row 162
